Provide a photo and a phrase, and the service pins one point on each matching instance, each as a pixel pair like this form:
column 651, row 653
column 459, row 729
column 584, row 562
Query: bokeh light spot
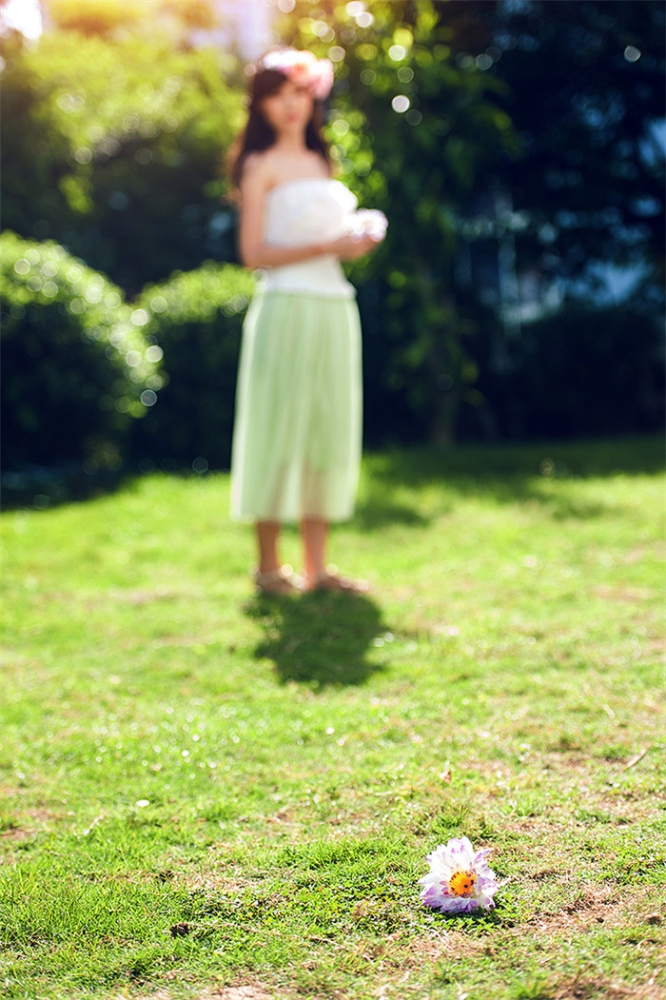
column 158, row 304
column 400, row 103
column 340, row 127
column 397, row 52
column 323, row 31
column 118, row 200
column 632, row 54
column 154, row 354
column 139, row 317
column 366, row 50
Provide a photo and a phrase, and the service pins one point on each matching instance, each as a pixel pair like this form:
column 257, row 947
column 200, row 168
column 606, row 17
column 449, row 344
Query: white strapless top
column 305, row 211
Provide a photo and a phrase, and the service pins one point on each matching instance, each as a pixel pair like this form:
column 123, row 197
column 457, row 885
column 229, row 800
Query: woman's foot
column 329, row 579
column 276, row 581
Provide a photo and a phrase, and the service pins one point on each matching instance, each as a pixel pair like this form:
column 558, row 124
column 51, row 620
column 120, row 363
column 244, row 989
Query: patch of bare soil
column 249, row 991
column 587, row 989
column 20, row 831
column 148, row 596
column 16, row 833
column 610, row 593
column 600, row 904
column 243, row 993
column 137, row 597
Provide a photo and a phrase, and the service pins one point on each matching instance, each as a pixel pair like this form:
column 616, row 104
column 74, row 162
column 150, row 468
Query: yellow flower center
column 462, row 883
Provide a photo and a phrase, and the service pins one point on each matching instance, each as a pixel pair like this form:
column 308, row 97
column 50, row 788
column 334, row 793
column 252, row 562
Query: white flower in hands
column 459, row 880
column 368, row 222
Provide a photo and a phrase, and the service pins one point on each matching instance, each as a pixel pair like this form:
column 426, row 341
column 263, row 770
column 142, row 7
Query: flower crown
column 302, row 68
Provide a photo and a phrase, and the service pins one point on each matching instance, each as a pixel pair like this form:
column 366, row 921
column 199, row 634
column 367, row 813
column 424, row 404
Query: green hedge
column 77, row 366
column 196, row 318
column 582, row 372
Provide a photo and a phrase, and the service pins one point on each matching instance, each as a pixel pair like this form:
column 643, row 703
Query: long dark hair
column 258, row 134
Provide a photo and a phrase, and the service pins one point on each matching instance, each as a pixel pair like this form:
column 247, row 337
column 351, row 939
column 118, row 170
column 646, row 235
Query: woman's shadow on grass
column 321, row 639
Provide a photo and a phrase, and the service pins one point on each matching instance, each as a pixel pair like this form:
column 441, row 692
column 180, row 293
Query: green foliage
column 270, row 774
column 78, row 368
column 583, row 371
column 196, row 318
column 114, row 148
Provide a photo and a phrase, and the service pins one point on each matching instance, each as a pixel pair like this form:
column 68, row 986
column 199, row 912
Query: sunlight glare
column 24, row 16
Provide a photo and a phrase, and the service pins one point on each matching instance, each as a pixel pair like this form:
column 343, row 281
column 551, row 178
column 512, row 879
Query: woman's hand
column 350, row 247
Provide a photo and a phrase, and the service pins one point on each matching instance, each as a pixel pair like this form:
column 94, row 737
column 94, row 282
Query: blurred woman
column 297, row 434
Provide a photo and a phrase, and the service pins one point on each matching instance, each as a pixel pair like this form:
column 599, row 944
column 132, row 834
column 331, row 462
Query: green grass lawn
column 208, row 794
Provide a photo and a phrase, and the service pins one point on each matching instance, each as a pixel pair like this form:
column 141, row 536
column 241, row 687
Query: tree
column 545, row 108
column 585, row 88
column 114, row 148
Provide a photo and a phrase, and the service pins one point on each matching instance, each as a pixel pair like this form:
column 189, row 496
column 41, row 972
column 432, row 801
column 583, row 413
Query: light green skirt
column 297, row 433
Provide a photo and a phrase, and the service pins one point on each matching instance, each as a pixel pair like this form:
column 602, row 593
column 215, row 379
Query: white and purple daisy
column 459, row 880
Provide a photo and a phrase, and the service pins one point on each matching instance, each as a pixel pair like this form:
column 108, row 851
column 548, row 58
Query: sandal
column 329, row 579
column 276, row 581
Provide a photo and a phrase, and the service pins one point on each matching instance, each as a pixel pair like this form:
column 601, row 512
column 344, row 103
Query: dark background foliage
column 529, row 148
column 197, row 318
column 77, row 365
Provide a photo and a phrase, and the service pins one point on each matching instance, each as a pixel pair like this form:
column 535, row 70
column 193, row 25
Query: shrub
column 196, row 318
column 583, row 371
column 77, row 367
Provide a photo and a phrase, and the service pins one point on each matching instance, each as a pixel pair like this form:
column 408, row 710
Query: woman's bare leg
column 267, row 542
column 314, row 532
